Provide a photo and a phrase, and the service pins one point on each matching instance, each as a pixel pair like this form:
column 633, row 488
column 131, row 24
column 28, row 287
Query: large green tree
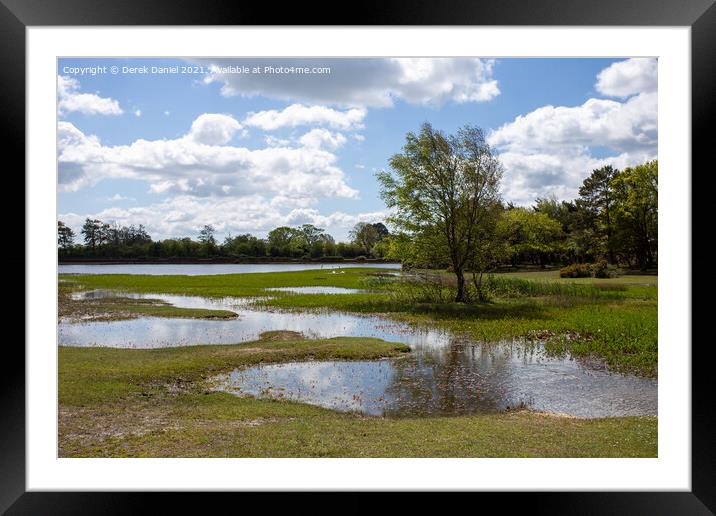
column 444, row 189
column 65, row 236
column 91, row 230
column 636, row 211
column 367, row 235
column 596, row 196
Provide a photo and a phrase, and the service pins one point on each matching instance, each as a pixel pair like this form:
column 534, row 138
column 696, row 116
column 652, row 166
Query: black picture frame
column 17, row 15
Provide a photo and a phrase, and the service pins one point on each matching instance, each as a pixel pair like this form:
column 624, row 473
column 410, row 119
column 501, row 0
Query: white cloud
column 630, row 77
column 272, row 141
column 199, row 164
column 553, row 148
column 629, row 125
column 137, row 113
column 318, row 138
column 71, row 100
column 213, row 129
column 120, row 197
column 368, row 82
column 298, row 114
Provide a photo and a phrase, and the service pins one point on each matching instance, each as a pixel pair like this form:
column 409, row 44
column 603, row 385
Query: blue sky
column 247, row 152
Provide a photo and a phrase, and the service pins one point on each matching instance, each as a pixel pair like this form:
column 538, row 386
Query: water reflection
column 464, row 380
column 318, row 290
column 155, row 332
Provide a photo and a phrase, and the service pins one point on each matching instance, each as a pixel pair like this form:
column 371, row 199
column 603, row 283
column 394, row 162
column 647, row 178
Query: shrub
column 360, row 258
column 601, row 269
column 576, row 270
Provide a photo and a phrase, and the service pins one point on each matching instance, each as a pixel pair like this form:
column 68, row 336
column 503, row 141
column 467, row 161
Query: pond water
column 200, row 269
column 443, row 375
column 156, row 332
column 318, row 290
column 462, row 379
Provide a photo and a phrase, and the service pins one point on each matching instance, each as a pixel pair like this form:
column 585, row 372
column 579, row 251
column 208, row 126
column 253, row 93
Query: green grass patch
column 154, row 403
column 553, row 276
column 226, row 285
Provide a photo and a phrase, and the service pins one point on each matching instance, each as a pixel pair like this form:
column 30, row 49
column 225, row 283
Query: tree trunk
column 460, row 297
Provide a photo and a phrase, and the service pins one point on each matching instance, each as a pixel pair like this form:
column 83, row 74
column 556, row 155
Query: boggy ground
column 610, row 320
column 159, row 403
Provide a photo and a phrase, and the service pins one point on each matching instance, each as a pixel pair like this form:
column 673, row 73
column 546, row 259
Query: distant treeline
column 110, row 241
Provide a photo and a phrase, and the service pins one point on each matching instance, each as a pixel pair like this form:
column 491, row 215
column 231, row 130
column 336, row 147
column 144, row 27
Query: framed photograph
column 419, row 252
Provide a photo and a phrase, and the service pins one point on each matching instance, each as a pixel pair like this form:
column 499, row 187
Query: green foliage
column 636, row 212
column 65, row 236
column 531, row 235
column 444, row 189
column 596, row 198
column 367, row 236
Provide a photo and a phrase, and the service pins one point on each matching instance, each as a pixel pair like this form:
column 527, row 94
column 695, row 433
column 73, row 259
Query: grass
column 553, row 276
column 224, row 285
column 613, row 320
column 155, row 403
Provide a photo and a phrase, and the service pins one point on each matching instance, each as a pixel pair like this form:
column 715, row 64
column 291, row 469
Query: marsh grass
column 499, row 286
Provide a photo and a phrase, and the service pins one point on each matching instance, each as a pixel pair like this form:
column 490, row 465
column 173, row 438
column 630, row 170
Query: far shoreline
column 214, row 261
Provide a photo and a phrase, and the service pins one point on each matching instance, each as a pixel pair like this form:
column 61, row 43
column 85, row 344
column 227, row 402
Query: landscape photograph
column 357, row 257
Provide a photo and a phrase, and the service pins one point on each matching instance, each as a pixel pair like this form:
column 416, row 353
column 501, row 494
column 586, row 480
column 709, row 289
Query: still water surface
column 443, row 375
column 209, row 268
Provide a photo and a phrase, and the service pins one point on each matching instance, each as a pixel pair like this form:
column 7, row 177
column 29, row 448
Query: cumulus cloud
column 553, row 148
column 213, row 129
column 369, row 82
column 298, row 114
column 318, row 138
column 630, row 77
column 70, row 99
column 629, row 125
column 201, row 163
column 273, row 141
